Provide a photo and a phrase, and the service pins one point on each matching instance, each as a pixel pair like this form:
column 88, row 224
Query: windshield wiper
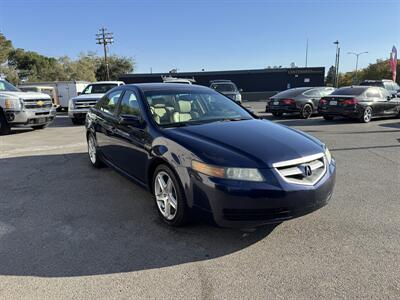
column 234, row 119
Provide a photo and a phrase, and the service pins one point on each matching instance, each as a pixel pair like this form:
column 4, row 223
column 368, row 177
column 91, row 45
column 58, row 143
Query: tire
column 328, row 118
column 170, row 195
column 39, row 127
column 4, row 126
column 76, row 121
column 277, row 114
column 306, row 111
column 366, row 115
column 93, row 153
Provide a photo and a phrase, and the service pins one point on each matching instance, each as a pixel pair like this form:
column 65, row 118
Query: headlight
column 238, row 97
column 70, row 104
column 245, row 174
column 13, row 104
column 328, row 155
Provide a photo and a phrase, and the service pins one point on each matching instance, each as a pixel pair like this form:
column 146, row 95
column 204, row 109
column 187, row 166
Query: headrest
column 159, row 106
column 185, row 106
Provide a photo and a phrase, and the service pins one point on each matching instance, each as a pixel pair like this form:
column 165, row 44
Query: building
column 257, row 84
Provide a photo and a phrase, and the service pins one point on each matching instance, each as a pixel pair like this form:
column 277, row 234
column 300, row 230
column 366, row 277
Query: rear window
column 290, row 93
column 349, row 91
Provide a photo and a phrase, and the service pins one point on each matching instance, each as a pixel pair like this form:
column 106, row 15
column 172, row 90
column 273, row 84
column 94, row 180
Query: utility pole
column 357, row 55
column 104, row 38
column 336, row 81
column 306, row 53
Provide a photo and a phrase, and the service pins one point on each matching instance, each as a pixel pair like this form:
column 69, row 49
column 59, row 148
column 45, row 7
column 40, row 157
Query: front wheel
column 169, row 197
column 367, row 115
column 93, row 153
column 306, row 111
column 4, row 126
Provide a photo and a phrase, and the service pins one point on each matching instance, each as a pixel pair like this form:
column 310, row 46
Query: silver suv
column 228, row 88
column 26, row 109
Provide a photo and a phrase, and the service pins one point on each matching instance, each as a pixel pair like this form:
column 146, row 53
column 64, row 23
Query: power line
column 104, row 38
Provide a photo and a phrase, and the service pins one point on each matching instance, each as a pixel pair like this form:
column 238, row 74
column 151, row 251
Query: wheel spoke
column 161, row 183
column 172, row 201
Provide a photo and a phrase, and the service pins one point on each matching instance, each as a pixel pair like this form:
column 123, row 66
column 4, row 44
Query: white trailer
column 65, row 90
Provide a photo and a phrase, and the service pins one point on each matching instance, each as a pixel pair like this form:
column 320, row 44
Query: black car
column 303, row 100
column 359, row 102
column 202, row 154
column 392, row 87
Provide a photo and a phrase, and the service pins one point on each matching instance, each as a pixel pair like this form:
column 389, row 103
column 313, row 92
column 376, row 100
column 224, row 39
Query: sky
column 210, row 35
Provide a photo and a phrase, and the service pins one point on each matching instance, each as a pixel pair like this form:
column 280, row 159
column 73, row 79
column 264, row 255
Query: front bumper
column 78, row 113
column 229, row 203
column 31, row 117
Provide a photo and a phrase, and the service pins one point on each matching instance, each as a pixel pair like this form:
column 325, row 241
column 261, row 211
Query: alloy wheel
column 307, row 111
column 166, row 196
column 367, row 114
column 92, row 149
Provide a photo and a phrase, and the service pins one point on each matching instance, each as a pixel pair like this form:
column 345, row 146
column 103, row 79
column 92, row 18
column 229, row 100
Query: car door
column 374, row 97
column 392, row 103
column 130, row 154
column 106, row 121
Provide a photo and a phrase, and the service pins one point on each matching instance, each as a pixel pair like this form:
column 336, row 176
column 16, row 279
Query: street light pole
column 336, row 81
column 104, row 38
column 357, row 55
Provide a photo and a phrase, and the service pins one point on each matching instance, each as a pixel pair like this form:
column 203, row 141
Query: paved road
column 70, row 231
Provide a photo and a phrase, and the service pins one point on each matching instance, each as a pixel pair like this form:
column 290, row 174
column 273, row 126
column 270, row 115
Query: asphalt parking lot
column 70, row 231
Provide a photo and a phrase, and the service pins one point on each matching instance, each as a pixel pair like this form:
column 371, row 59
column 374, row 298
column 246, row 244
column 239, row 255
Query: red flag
column 393, row 62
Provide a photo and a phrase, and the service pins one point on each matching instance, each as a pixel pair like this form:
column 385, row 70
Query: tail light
column 323, row 102
column 288, row 101
column 350, row 101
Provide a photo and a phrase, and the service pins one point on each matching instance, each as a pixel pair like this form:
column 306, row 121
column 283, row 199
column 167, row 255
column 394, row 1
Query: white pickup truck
column 24, row 109
column 79, row 106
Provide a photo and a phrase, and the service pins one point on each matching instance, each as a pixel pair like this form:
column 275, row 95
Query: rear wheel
column 367, row 115
column 306, row 111
column 93, row 153
column 277, row 114
column 328, row 118
column 169, row 197
column 4, row 126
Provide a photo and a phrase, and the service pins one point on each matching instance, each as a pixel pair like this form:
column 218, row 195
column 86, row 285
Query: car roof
column 107, row 82
column 167, row 86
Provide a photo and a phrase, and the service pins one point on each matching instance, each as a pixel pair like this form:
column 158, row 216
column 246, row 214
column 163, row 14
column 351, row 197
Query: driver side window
column 109, row 102
column 129, row 104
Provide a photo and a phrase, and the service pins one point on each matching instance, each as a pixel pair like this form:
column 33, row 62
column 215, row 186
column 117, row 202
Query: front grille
column 307, row 170
column 85, row 104
column 37, row 103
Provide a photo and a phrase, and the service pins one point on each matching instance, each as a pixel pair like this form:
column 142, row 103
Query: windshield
column 372, row 83
column 7, row 87
column 176, row 108
column 349, row 91
column 224, row 87
column 99, row 88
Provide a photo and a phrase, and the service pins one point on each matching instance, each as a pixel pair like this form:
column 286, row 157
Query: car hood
column 25, row 95
column 248, row 143
column 88, row 97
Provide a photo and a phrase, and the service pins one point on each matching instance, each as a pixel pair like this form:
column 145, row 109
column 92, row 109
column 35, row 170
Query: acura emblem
column 307, row 170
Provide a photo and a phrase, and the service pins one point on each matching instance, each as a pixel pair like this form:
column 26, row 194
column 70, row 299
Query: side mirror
column 390, row 97
column 131, row 120
column 79, row 93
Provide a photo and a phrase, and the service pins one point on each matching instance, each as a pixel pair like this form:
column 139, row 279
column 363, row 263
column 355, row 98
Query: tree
column 5, row 48
column 330, row 77
column 118, row 66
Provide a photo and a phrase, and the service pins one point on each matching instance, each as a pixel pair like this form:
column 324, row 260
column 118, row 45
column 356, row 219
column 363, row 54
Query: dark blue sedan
column 201, row 154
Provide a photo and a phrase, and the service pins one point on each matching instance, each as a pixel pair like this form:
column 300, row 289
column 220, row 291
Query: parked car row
column 362, row 102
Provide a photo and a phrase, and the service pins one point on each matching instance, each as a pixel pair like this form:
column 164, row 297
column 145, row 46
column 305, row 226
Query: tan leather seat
column 184, row 114
column 159, row 111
